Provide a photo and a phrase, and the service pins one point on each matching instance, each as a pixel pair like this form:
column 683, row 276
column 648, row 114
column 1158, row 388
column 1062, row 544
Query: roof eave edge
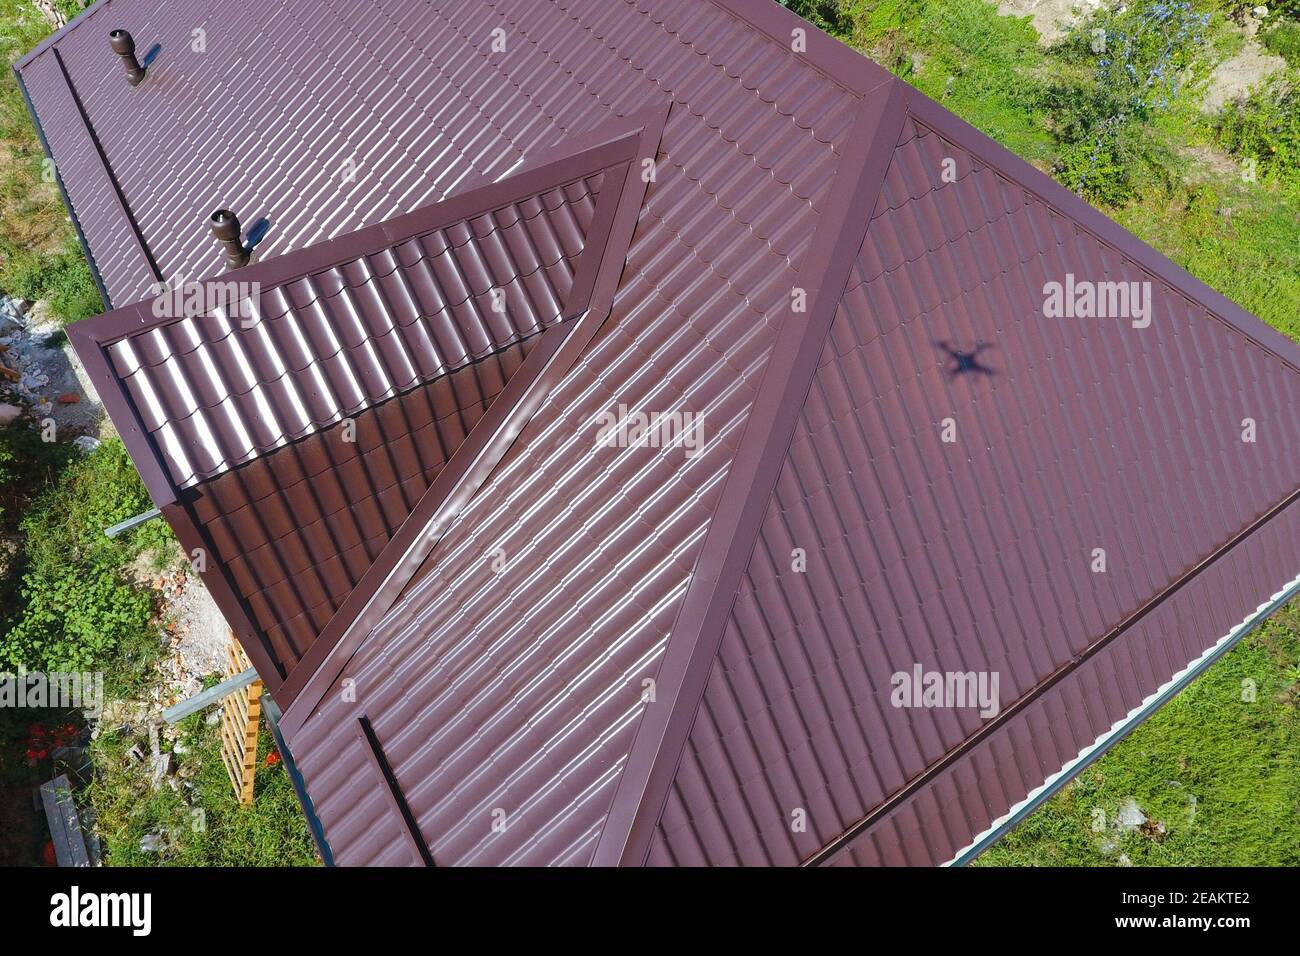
column 913, row 786
column 829, row 56
column 59, row 34
column 1124, row 727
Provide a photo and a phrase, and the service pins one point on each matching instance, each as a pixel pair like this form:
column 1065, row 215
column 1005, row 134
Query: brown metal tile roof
column 298, row 527
column 496, row 649
column 213, row 391
column 283, row 99
column 409, row 327
column 530, row 678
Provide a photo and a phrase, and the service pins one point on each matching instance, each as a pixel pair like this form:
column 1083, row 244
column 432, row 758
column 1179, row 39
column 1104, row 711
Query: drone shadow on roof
column 966, row 361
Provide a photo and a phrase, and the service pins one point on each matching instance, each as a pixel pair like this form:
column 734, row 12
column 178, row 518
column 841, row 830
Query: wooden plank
column 65, row 823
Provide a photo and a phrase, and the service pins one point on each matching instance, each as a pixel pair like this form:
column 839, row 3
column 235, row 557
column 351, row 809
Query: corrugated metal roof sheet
column 518, row 689
column 571, row 652
column 299, row 527
column 214, row 391
column 326, row 117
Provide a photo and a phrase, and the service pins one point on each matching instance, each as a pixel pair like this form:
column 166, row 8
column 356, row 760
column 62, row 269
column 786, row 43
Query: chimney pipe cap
column 225, row 225
column 122, row 42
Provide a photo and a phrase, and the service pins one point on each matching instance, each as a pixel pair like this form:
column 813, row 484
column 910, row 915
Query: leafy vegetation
column 981, row 65
column 79, row 609
column 23, row 456
column 1129, row 66
column 59, row 274
column 827, row 14
column 68, row 601
column 1266, row 129
column 1283, row 39
column 40, row 257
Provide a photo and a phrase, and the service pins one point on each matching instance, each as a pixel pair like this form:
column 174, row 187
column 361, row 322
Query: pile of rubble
column 40, row 374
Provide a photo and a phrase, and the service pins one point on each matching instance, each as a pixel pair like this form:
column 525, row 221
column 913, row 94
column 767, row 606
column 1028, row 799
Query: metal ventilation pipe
column 225, row 228
column 124, row 46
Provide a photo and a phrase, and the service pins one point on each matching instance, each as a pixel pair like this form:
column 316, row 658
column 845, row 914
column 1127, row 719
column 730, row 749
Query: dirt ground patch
column 1235, row 76
column 1051, row 18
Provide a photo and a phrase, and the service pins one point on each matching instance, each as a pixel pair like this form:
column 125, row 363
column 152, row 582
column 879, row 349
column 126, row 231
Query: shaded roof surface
column 570, row 652
column 299, row 527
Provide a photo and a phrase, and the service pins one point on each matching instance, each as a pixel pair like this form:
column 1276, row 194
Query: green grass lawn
column 200, row 822
column 39, row 253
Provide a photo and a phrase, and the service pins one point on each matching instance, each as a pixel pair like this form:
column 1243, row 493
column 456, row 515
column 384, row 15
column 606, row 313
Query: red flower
column 272, row 758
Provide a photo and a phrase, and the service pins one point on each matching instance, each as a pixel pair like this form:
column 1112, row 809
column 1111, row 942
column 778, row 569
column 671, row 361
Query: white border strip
column 1122, row 727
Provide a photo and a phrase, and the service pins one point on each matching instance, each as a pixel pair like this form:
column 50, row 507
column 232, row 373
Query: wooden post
column 240, row 713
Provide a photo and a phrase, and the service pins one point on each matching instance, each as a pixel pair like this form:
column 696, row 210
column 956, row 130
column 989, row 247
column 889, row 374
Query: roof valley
column 590, row 300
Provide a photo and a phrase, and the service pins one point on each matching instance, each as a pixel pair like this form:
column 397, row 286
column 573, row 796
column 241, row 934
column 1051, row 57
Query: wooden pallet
column 240, row 713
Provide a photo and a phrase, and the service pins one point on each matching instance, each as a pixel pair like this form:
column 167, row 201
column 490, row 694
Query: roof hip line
column 732, row 532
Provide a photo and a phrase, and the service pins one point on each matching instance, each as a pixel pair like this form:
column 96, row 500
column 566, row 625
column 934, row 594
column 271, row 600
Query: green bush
column 76, row 617
column 63, row 277
column 1266, row 128
column 830, row 15
column 79, row 609
column 1283, row 39
column 1125, row 67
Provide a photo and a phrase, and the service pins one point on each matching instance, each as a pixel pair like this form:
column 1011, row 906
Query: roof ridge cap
column 730, row 537
column 556, row 167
